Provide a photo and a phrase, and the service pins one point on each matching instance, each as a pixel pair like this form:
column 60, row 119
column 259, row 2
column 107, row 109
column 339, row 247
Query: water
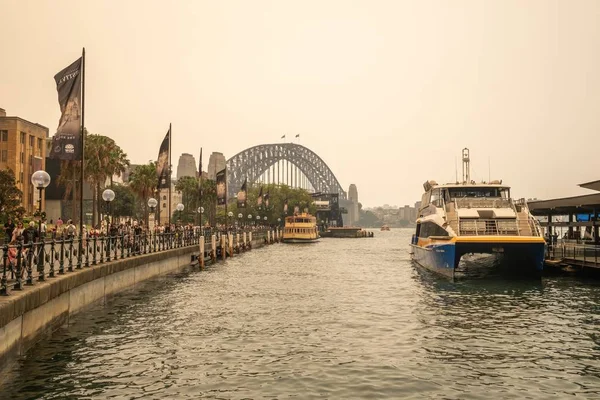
column 338, row 319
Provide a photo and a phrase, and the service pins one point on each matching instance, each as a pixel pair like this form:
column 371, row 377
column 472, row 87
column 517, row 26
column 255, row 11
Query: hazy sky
column 386, row 92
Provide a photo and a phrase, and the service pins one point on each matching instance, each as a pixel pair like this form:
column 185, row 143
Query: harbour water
column 342, row 318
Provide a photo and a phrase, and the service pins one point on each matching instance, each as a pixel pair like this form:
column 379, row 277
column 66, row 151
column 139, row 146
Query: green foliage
column 10, row 197
column 277, row 196
column 124, row 203
column 143, row 181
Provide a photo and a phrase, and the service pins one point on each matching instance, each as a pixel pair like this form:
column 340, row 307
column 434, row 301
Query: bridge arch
column 255, row 161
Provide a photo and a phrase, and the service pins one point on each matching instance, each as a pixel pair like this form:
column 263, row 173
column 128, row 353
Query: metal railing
column 585, row 254
column 24, row 263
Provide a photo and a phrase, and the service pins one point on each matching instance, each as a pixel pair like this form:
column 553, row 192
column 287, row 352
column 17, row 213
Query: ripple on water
column 340, row 319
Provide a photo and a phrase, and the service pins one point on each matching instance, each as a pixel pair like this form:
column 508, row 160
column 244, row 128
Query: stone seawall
column 27, row 315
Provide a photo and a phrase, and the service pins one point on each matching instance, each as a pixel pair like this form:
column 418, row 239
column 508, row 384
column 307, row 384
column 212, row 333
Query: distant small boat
column 385, row 228
column 346, row 232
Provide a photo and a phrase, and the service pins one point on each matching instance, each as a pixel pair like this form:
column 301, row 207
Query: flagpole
column 200, row 185
column 81, row 173
column 170, row 173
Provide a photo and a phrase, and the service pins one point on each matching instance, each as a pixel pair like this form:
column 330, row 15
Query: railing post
column 122, row 245
column 70, row 267
column 52, row 255
column 61, row 265
column 4, row 281
column 19, row 271
column 87, row 250
column 30, row 250
column 95, row 244
column 102, row 248
column 40, row 264
column 108, row 240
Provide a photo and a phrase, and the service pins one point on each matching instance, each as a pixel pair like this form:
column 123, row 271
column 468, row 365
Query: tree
column 10, row 197
column 124, row 203
column 188, row 186
column 143, row 180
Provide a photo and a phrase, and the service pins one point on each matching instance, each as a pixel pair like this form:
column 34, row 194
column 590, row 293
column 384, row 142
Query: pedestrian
column 18, row 232
column 30, row 234
column 9, row 227
column 71, row 229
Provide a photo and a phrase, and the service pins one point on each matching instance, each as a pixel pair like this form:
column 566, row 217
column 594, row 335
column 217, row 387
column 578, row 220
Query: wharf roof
column 566, row 205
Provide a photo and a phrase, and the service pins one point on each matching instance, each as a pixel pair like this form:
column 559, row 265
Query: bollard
column 250, row 240
column 272, row 237
column 223, row 247
column 201, row 255
column 244, row 240
column 213, row 254
column 268, row 237
column 230, row 244
column 237, row 242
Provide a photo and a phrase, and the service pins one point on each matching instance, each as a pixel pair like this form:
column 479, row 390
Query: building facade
column 23, row 150
column 186, row 166
column 216, row 163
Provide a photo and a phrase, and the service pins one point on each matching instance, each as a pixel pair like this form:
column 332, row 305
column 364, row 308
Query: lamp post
column 201, row 211
column 240, row 219
column 229, row 217
column 180, row 208
column 108, row 195
column 279, row 222
column 265, row 218
column 249, row 220
column 40, row 179
column 152, row 202
column 257, row 219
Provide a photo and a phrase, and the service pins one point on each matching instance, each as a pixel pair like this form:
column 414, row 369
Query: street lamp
column 240, row 219
column 279, row 221
column 229, row 216
column 152, row 203
column 257, row 219
column 108, row 195
column 180, row 208
column 40, row 179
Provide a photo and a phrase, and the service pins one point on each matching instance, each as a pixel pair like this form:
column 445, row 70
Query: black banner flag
column 259, row 200
column 242, row 195
column 222, row 187
column 163, row 169
column 66, row 143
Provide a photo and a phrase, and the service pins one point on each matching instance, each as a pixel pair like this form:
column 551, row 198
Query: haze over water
column 337, row 319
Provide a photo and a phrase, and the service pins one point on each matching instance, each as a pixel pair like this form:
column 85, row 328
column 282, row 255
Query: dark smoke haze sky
column 386, row 92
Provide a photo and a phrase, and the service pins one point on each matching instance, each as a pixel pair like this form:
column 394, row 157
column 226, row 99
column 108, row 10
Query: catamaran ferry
column 473, row 229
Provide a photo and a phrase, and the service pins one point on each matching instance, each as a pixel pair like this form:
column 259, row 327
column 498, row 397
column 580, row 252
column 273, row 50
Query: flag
column 298, row 135
column 66, row 143
column 260, row 198
column 200, row 165
column 266, row 198
column 221, row 187
column 285, row 206
column 242, row 195
column 283, row 137
column 163, row 169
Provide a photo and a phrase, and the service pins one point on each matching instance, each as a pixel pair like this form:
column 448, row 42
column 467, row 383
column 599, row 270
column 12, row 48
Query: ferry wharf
column 571, row 228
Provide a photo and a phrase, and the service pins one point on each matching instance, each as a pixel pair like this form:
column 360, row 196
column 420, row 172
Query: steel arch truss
column 253, row 162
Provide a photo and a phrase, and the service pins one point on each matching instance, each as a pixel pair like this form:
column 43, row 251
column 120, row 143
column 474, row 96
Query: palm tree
column 104, row 158
column 143, row 180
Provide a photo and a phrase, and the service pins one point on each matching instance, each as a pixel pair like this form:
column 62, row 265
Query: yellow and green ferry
column 300, row 228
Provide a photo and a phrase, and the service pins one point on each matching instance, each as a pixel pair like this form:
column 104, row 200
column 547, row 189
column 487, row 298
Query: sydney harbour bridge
column 283, row 163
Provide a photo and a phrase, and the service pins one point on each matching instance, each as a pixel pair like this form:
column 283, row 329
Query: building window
column 31, row 141
column 4, row 156
column 22, row 157
column 23, row 134
column 164, row 205
column 31, row 161
column 21, row 180
column 164, row 197
column 4, row 136
column 39, row 143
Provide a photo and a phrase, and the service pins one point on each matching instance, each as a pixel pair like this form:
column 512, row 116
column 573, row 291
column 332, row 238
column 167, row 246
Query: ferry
column 469, row 229
column 300, row 228
column 385, row 228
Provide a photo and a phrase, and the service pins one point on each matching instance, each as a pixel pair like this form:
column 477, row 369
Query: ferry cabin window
column 436, row 198
column 479, row 192
column 430, row 229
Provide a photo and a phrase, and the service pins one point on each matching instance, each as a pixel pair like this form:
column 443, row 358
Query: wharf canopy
column 582, row 211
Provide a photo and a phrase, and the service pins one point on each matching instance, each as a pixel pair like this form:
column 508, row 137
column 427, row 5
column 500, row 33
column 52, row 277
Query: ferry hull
column 476, row 257
column 298, row 240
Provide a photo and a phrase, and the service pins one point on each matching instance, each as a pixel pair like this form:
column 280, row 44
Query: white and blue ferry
column 467, row 228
